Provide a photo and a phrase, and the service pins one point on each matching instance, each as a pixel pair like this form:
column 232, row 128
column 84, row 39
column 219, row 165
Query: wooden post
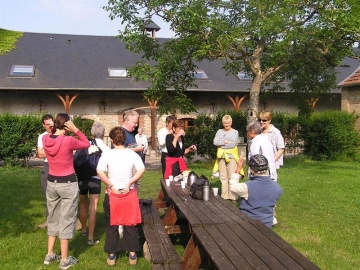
column 236, row 102
column 67, row 101
column 153, row 107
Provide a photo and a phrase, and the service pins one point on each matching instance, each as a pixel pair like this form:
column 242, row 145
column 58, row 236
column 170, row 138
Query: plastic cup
column 167, row 182
column 215, row 191
column 171, row 177
column 183, row 183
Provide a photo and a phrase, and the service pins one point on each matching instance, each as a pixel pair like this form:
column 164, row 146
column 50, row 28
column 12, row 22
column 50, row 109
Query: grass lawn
column 318, row 214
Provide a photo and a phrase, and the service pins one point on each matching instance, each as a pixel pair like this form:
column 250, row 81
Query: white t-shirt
column 262, row 146
column 40, row 142
column 142, row 140
column 162, row 139
column 119, row 164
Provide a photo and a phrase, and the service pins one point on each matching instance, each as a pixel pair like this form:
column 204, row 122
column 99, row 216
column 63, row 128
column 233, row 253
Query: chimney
column 152, row 27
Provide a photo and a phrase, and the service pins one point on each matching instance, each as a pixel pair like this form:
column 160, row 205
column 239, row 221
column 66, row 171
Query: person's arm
column 240, row 189
column 169, row 143
column 162, row 137
column 231, row 141
column 219, row 138
column 40, row 152
column 280, row 144
column 82, row 141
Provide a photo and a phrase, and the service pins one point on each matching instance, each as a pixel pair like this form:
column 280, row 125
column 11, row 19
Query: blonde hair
column 266, row 114
column 226, row 118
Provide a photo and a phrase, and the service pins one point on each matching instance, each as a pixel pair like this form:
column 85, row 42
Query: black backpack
column 84, row 163
column 197, row 188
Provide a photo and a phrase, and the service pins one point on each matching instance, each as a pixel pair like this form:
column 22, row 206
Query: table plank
column 211, row 247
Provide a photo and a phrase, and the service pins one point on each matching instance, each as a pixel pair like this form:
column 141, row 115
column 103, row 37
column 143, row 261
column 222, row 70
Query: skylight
column 244, row 76
column 22, row 71
column 117, row 72
column 199, row 74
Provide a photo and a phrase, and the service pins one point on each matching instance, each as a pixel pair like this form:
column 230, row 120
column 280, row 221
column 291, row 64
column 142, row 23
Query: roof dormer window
column 22, row 71
column 117, row 72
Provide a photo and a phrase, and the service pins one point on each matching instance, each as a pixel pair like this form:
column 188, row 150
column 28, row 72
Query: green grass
column 318, row 214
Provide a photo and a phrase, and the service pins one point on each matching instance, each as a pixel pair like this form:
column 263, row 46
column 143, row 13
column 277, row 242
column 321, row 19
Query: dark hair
column 169, row 118
column 117, row 135
column 59, row 122
column 46, row 117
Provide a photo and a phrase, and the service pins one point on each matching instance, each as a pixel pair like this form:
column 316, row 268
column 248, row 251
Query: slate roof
column 78, row 62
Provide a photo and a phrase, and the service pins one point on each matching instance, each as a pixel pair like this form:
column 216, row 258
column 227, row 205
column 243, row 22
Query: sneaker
column 84, row 233
column 111, row 260
column 275, row 221
column 132, row 259
column 50, row 258
column 43, row 225
column 93, row 242
column 68, row 263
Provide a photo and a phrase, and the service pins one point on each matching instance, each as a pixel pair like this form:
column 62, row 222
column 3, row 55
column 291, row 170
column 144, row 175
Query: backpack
column 196, row 189
column 84, row 163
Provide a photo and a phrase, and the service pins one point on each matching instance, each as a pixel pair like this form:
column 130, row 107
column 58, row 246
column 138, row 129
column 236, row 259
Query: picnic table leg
column 191, row 258
column 160, row 202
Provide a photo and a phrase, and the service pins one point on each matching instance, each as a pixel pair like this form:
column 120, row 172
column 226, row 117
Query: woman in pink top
column 62, row 189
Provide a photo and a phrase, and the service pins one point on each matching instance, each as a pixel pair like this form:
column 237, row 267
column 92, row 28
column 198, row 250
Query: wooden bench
column 158, row 244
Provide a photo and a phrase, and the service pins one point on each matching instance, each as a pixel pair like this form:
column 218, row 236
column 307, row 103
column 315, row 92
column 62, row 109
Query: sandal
column 93, row 242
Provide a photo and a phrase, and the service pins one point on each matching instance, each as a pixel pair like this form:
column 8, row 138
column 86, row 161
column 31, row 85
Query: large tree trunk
column 253, row 109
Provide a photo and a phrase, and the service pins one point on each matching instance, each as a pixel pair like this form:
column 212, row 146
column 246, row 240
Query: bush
column 84, row 125
column 330, row 135
column 18, row 137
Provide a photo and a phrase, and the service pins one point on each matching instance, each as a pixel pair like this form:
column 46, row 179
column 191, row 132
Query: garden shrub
column 330, row 135
column 18, row 137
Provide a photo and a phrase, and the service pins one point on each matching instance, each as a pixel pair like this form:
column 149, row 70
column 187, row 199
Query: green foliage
column 330, row 135
column 84, row 125
column 271, row 40
column 18, row 137
column 8, row 40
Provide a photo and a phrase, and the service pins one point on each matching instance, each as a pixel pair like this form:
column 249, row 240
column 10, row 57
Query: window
column 22, row 71
column 199, row 74
column 244, row 76
column 117, row 72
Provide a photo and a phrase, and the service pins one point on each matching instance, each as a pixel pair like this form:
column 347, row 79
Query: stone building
column 86, row 76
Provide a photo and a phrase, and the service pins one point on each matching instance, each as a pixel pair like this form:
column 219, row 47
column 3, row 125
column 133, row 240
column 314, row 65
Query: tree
column 8, row 40
column 262, row 38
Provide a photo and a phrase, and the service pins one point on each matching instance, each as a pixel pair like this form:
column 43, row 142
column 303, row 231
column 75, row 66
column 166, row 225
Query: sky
column 76, row 17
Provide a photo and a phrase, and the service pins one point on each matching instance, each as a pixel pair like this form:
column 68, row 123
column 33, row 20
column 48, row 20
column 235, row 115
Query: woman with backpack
column 90, row 187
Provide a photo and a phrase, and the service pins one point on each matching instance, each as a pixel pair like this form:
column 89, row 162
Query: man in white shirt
column 161, row 136
column 47, row 123
column 259, row 144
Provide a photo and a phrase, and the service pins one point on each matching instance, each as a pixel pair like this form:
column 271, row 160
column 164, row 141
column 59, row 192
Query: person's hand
column 70, row 126
column 193, row 147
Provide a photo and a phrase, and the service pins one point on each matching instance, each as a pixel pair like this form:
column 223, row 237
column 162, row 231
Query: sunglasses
column 263, row 120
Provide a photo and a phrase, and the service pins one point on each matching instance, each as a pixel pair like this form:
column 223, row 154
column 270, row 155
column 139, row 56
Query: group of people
column 120, row 169
column 265, row 155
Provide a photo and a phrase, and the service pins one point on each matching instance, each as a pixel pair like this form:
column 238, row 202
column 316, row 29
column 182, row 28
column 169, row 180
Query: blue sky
column 78, row 17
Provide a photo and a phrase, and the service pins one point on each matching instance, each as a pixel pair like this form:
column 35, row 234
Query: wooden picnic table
column 227, row 236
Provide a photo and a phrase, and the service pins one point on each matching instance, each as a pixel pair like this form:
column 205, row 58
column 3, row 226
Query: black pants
column 163, row 162
column 113, row 243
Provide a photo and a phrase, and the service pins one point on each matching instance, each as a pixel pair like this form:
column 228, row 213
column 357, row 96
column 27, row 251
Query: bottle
column 206, row 191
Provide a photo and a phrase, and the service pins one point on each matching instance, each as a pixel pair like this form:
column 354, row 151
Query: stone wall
column 350, row 102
